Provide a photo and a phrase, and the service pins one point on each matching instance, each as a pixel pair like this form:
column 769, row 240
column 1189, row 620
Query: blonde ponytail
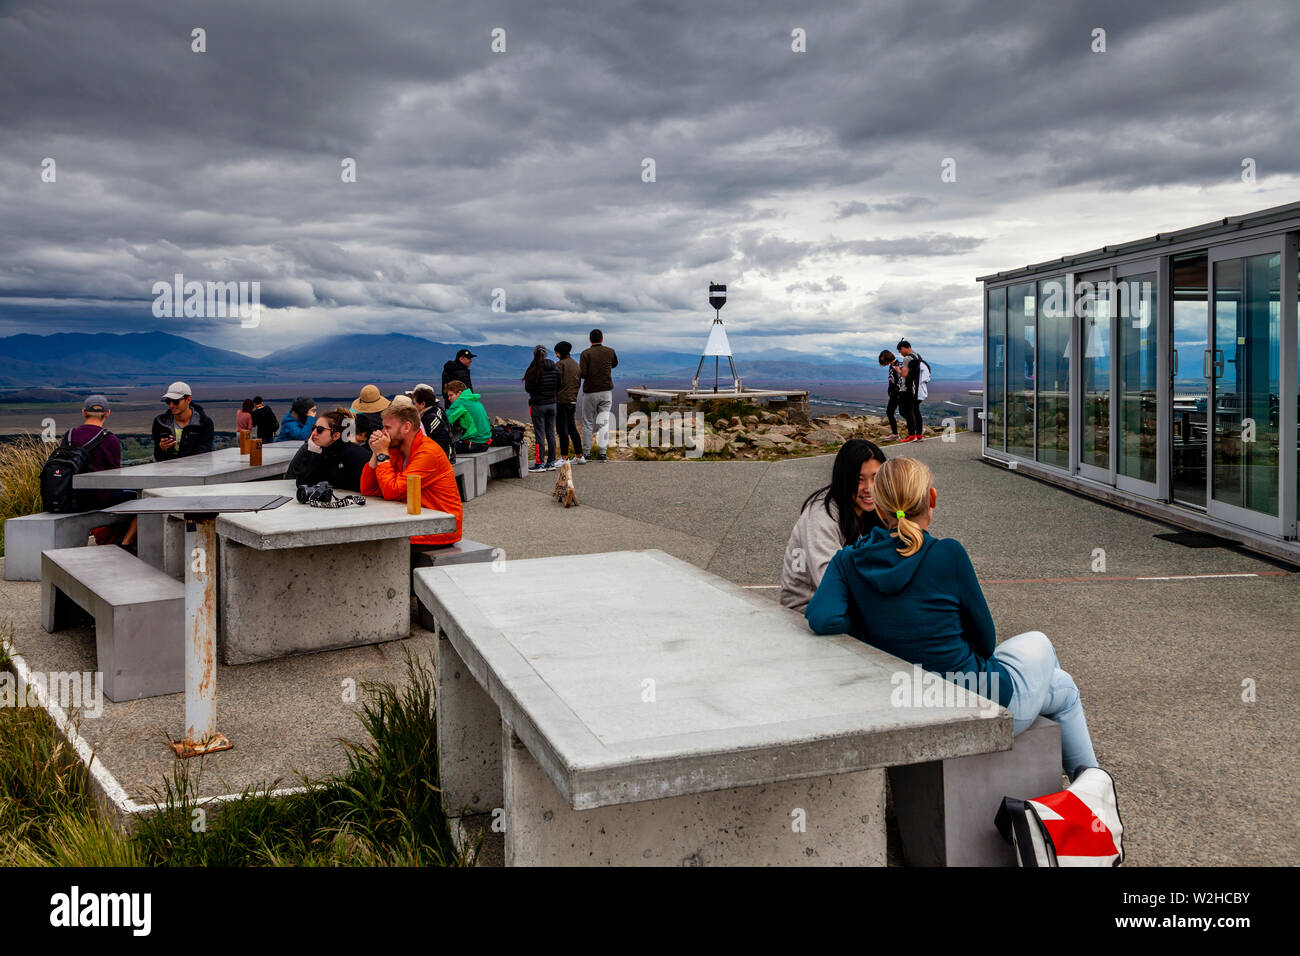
column 902, row 491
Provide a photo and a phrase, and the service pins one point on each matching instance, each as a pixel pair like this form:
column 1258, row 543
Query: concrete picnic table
column 211, row 467
column 669, row 717
column 342, row 576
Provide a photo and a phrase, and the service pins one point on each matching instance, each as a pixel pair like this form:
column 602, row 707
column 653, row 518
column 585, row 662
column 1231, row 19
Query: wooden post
column 412, row 494
column 255, row 452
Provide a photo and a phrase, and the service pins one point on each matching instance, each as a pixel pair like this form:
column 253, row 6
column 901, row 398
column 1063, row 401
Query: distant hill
column 40, row 395
column 82, row 360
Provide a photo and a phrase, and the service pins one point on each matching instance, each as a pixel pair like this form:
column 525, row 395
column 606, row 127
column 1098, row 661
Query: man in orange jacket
column 400, row 449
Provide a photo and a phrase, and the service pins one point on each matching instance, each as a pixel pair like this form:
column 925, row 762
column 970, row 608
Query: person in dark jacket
column 183, row 430
column 458, row 370
column 566, row 403
column 264, row 421
column 596, row 365
column 542, row 380
column 922, row 602
column 297, row 425
column 888, row 358
column 326, row 456
column 433, row 420
column 912, row 394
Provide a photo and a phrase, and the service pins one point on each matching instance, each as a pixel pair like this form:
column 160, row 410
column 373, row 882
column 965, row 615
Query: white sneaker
column 579, row 460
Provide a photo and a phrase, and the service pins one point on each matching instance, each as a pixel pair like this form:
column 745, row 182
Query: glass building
column 1159, row 374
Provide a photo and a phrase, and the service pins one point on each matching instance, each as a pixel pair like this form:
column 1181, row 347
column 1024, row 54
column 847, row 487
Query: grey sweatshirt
column 813, row 542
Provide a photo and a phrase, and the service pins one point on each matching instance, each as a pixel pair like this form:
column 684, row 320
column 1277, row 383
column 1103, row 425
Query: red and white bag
column 1079, row 826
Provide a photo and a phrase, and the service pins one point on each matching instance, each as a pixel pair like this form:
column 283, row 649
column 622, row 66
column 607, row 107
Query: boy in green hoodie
column 466, row 411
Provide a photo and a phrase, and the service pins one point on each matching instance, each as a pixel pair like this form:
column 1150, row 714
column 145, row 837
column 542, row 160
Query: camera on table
column 321, row 492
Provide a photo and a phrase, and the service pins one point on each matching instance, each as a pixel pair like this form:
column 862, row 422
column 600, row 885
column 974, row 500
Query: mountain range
column 86, row 360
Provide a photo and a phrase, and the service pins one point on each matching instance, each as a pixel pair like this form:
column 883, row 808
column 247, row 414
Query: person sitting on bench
column 105, row 456
column 433, row 419
column 401, row 448
column 830, row 518
column 923, row 603
column 325, row 456
column 467, row 413
column 183, row 430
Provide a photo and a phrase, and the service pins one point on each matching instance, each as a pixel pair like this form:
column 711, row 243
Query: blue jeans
column 1040, row 687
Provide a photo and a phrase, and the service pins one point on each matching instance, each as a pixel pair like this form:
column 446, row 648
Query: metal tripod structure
column 717, row 344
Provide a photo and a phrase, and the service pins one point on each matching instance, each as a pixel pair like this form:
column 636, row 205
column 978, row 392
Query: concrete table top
column 224, row 465
column 279, row 486
column 296, row 525
column 743, row 692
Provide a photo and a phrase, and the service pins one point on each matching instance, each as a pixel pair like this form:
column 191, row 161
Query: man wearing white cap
column 183, row 429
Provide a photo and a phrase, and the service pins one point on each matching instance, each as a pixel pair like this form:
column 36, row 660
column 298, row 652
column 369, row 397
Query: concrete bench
column 27, row 536
column 496, row 462
column 717, row 729
column 465, row 481
column 945, row 808
column 139, row 617
column 463, row 551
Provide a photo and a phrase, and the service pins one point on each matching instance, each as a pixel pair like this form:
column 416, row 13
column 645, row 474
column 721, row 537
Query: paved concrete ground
column 1203, row 777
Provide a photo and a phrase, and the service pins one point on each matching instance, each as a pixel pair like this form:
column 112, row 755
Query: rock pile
column 762, row 436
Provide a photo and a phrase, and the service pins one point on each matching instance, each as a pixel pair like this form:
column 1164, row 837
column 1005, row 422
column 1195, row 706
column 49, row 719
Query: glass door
column 1093, row 306
column 1243, row 365
column 1190, row 387
column 1137, row 344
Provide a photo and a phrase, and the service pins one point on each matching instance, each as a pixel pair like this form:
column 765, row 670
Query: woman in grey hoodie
column 831, row 517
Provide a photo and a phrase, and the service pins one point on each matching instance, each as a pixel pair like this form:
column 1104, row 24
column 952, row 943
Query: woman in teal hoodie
column 923, row 603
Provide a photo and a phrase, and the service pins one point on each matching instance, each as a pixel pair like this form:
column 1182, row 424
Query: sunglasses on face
column 321, row 429
column 173, row 401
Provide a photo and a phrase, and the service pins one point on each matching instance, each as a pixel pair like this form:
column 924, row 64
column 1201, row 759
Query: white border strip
column 101, row 775
column 1198, row 577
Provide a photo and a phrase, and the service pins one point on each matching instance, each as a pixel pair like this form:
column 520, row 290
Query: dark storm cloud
column 812, row 175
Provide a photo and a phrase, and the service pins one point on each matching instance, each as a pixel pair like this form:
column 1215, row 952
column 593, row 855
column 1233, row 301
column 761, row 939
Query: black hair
column 563, row 349
column 539, row 364
column 903, row 344
column 596, row 336
column 886, row 357
column 367, row 423
column 301, row 406
column 257, row 399
column 424, row 395
column 843, row 488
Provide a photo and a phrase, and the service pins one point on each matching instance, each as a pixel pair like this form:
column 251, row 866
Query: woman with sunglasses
column 326, row 456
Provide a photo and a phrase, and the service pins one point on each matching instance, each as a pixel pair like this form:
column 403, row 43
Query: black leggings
column 889, row 412
column 567, row 428
column 544, row 425
column 911, row 409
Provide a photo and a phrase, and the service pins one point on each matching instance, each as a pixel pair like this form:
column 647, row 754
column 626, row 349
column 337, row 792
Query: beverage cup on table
column 255, row 452
column 412, row 494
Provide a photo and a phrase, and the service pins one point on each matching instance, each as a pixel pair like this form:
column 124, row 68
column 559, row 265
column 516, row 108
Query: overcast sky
column 809, row 182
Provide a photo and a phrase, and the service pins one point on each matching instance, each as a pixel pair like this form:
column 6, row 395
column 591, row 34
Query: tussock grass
column 21, row 460
column 47, row 809
column 384, row 810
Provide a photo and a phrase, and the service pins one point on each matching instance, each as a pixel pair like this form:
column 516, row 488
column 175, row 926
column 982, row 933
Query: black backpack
column 64, row 463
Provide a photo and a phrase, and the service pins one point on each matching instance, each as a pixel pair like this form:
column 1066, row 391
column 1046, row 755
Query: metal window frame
column 1138, row 486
